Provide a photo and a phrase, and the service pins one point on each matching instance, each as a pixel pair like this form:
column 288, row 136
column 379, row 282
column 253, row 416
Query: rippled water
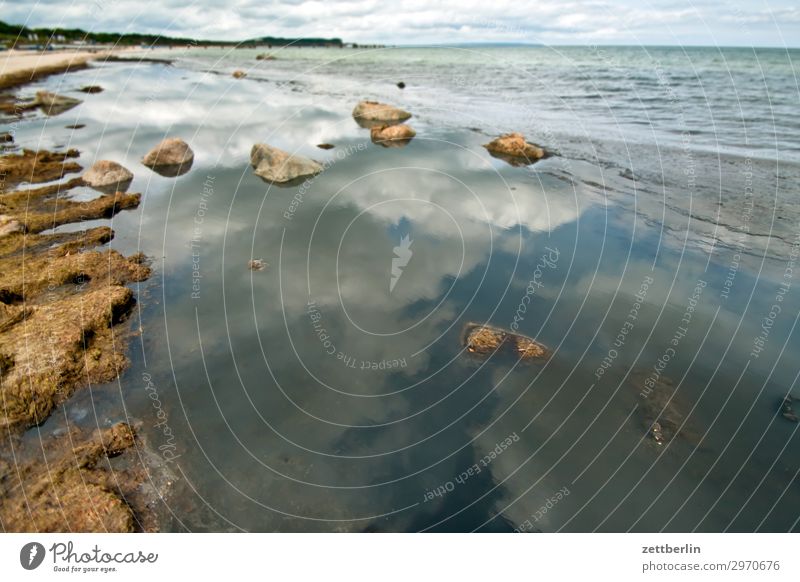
column 315, row 396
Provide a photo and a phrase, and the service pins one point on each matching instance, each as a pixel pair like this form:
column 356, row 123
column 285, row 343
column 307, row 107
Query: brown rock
column 172, row 157
column 239, row 74
column 91, row 89
column 371, row 114
column 108, row 176
column 513, row 149
column 485, row 340
column 392, row 136
column 325, row 146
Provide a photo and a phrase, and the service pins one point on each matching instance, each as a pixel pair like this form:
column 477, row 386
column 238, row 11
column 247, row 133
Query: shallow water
column 315, row 396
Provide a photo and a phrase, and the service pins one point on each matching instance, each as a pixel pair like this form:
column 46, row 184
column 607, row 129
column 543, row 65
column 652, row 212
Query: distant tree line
column 12, row 34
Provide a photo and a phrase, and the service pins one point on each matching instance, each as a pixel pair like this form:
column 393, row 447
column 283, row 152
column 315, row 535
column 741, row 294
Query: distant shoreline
column 21, row 67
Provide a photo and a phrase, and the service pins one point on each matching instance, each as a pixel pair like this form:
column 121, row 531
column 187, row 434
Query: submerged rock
column 76, row 126
column 91, row 89
column 371, row 114
column 401, row 85
column 54, row 104
column 6, row 137
column 663, row 410
column 787, row 410
column 172, row 157
column 484, row 340
column 325, row 146
column 109, row 177
column 256, row 265
column 265, row 57
column 279, row 167
column 513, row 149
column 392, row 136
column 239, row 74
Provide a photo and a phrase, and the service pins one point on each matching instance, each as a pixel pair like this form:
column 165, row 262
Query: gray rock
column 279, row 167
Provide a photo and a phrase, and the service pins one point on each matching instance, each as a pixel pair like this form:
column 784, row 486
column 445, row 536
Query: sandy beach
column 18, row 67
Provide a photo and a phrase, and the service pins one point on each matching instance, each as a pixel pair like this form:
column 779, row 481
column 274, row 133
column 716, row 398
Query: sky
column 397, row 22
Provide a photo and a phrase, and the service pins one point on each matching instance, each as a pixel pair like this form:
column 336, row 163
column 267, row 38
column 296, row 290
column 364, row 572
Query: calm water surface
column 315, row 396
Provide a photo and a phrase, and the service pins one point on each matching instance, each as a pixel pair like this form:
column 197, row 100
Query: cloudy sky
column 694, row 22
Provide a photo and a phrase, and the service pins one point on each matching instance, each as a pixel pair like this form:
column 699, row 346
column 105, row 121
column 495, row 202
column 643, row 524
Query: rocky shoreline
column 64, row 302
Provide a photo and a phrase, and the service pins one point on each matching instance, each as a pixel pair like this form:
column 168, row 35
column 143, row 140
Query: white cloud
column 446, row 21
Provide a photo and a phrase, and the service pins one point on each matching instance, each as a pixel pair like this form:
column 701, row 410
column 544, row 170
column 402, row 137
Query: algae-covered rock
column 49, row 353
column 63, row 485
column 43, row 208
column 663, row 410
column 484, row 340
column 36, row 167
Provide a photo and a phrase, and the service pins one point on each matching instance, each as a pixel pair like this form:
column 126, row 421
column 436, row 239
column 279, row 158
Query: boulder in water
column 484, row 340
column 239, row 74
column 371, row 114
column 513, row 149
column 109, row 177
column 91, row 89
column 392, row 136
column 172, row 157
column 54, row 104
column 279, row 167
